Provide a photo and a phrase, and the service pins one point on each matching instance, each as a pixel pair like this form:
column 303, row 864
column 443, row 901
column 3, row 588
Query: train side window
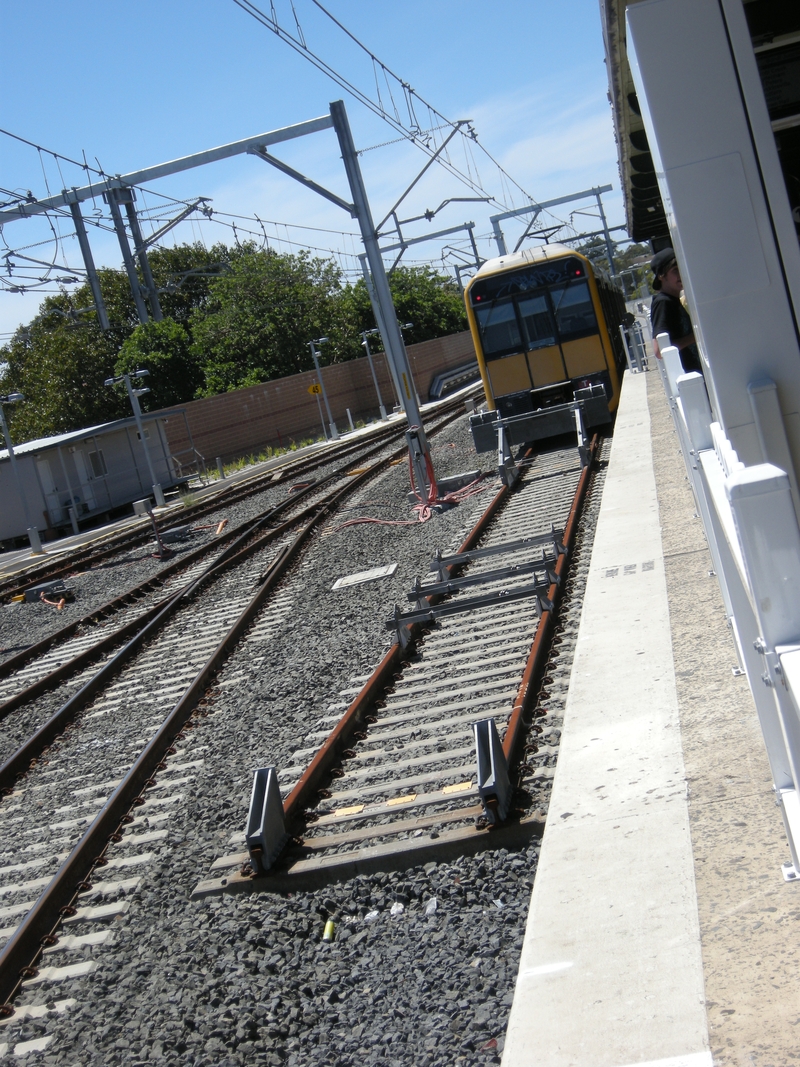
column 499, row 329
column 574, row 312
column 537, row 321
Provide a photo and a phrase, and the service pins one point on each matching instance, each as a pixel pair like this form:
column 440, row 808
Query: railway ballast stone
column 247, row 979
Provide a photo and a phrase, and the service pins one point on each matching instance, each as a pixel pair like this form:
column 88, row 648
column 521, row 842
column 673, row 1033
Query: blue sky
column 135, row 85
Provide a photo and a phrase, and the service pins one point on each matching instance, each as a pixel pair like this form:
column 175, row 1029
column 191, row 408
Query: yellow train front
column 545, row 323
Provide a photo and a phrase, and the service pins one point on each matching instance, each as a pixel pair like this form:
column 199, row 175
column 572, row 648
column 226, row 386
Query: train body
column 545, row 324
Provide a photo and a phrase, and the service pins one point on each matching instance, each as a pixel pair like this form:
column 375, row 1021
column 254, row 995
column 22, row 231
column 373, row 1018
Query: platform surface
column 611, row 972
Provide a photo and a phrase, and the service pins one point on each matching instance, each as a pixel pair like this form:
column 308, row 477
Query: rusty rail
column 20, row 954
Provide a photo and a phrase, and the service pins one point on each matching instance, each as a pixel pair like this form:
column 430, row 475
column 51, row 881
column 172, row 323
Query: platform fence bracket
column 750, row 522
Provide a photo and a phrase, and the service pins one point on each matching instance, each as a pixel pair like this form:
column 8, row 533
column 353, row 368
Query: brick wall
column 277, row 412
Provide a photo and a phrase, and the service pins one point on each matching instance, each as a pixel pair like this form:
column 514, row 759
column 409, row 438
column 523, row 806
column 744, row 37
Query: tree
column 431, row 301
column 164, row 348
column 232, row 317
column 261, row 315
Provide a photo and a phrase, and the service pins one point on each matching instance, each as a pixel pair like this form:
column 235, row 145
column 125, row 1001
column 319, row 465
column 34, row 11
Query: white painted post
column 771, row 430
column 766, row 524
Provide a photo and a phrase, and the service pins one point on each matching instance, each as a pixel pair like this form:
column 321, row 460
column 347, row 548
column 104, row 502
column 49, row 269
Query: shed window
column 97, row 460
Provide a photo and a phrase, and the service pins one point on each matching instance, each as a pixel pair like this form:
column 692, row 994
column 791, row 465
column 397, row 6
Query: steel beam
column 161, row 170
column 88, row 262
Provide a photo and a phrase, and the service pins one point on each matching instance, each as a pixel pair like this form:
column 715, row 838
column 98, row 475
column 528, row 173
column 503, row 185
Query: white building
column 91, row 472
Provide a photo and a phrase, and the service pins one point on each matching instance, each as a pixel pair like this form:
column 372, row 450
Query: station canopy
column 643, row 207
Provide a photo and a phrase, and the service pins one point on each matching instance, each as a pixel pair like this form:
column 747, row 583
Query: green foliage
column 431, row 301
column 260, row 317
column 233, row 317
column 164, row 348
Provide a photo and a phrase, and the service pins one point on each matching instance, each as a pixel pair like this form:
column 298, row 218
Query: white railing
column 750, row 521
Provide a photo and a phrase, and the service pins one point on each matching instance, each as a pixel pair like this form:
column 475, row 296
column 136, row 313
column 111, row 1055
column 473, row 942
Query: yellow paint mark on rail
column 400, row 800
column 354, row 810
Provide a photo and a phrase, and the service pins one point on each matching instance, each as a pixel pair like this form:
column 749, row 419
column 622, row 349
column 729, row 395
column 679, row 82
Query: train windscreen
column 574, row 313
column 499, row 328
column 533, row 307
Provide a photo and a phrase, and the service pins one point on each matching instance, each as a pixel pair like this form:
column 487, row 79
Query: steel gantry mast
column 119, row 192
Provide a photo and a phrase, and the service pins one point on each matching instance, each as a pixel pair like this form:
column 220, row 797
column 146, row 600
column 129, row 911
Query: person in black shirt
column 667, row 313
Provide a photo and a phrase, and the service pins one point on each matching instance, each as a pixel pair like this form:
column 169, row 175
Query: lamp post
column 133, row 396
column 366, row 334
column 33, row 533
column 313, row 346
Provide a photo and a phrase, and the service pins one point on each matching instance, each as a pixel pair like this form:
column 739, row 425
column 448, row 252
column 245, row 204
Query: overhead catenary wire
column 410, row 131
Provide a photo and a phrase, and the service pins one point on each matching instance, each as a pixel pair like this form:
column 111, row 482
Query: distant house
column 92, row 471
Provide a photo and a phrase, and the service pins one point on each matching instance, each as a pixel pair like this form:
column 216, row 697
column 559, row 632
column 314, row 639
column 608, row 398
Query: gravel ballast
column 422, row 968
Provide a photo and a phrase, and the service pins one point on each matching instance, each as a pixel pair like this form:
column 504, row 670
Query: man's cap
column 660, row 264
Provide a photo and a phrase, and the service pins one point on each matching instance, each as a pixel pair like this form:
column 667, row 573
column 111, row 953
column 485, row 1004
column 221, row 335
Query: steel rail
column 241, row 533
column 516, row 727
column 304, row 792
column 19, row 955
column 224, row 496
column 230, row 495
column 241, row 549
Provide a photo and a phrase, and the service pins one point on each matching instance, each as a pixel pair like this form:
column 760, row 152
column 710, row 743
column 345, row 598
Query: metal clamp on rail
column 440, row 563
column 420, row 592
column 494, row 786
column 507, row 469
column 265, row 833
column 430, row 613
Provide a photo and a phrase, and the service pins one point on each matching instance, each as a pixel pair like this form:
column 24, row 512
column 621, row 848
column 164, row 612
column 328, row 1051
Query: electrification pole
column 365, row 342
column 390, row 330
column 133, row 396
column 313, row 346
column 607, row 236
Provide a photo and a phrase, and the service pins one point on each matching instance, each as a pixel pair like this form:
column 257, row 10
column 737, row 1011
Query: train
column 545, row 323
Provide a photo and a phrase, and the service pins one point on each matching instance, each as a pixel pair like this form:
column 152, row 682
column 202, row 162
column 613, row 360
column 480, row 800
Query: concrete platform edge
column 610, row 971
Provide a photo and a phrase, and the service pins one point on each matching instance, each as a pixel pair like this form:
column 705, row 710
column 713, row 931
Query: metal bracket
column 454, row 585
column 440, row 563
column 506, row 467
column 790, row 872
column 583, row 451
column 494, row 786
column 265, row 834
column 418, row 449
column 399, row 624
column 430, row 613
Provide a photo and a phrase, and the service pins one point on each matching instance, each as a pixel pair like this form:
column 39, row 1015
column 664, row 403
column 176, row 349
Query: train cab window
column 572, row 304
column 537, row 321
column 500, row 334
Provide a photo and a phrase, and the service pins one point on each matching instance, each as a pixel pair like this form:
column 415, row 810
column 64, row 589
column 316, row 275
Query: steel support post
column 390, row 331
column 133, row 277
column 365, row 338
column 88, row 262
column 377, row 312
column 606, row 235
column 33, row 533
column 141, row 254
column 158, row 492
column 321, row 417
column 633, row 364
column 331, row 423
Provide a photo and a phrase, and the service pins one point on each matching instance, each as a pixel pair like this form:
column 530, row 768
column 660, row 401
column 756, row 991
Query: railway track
column 73, row 648
column 131, row 717
column 394, row 783
column 111, row 546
